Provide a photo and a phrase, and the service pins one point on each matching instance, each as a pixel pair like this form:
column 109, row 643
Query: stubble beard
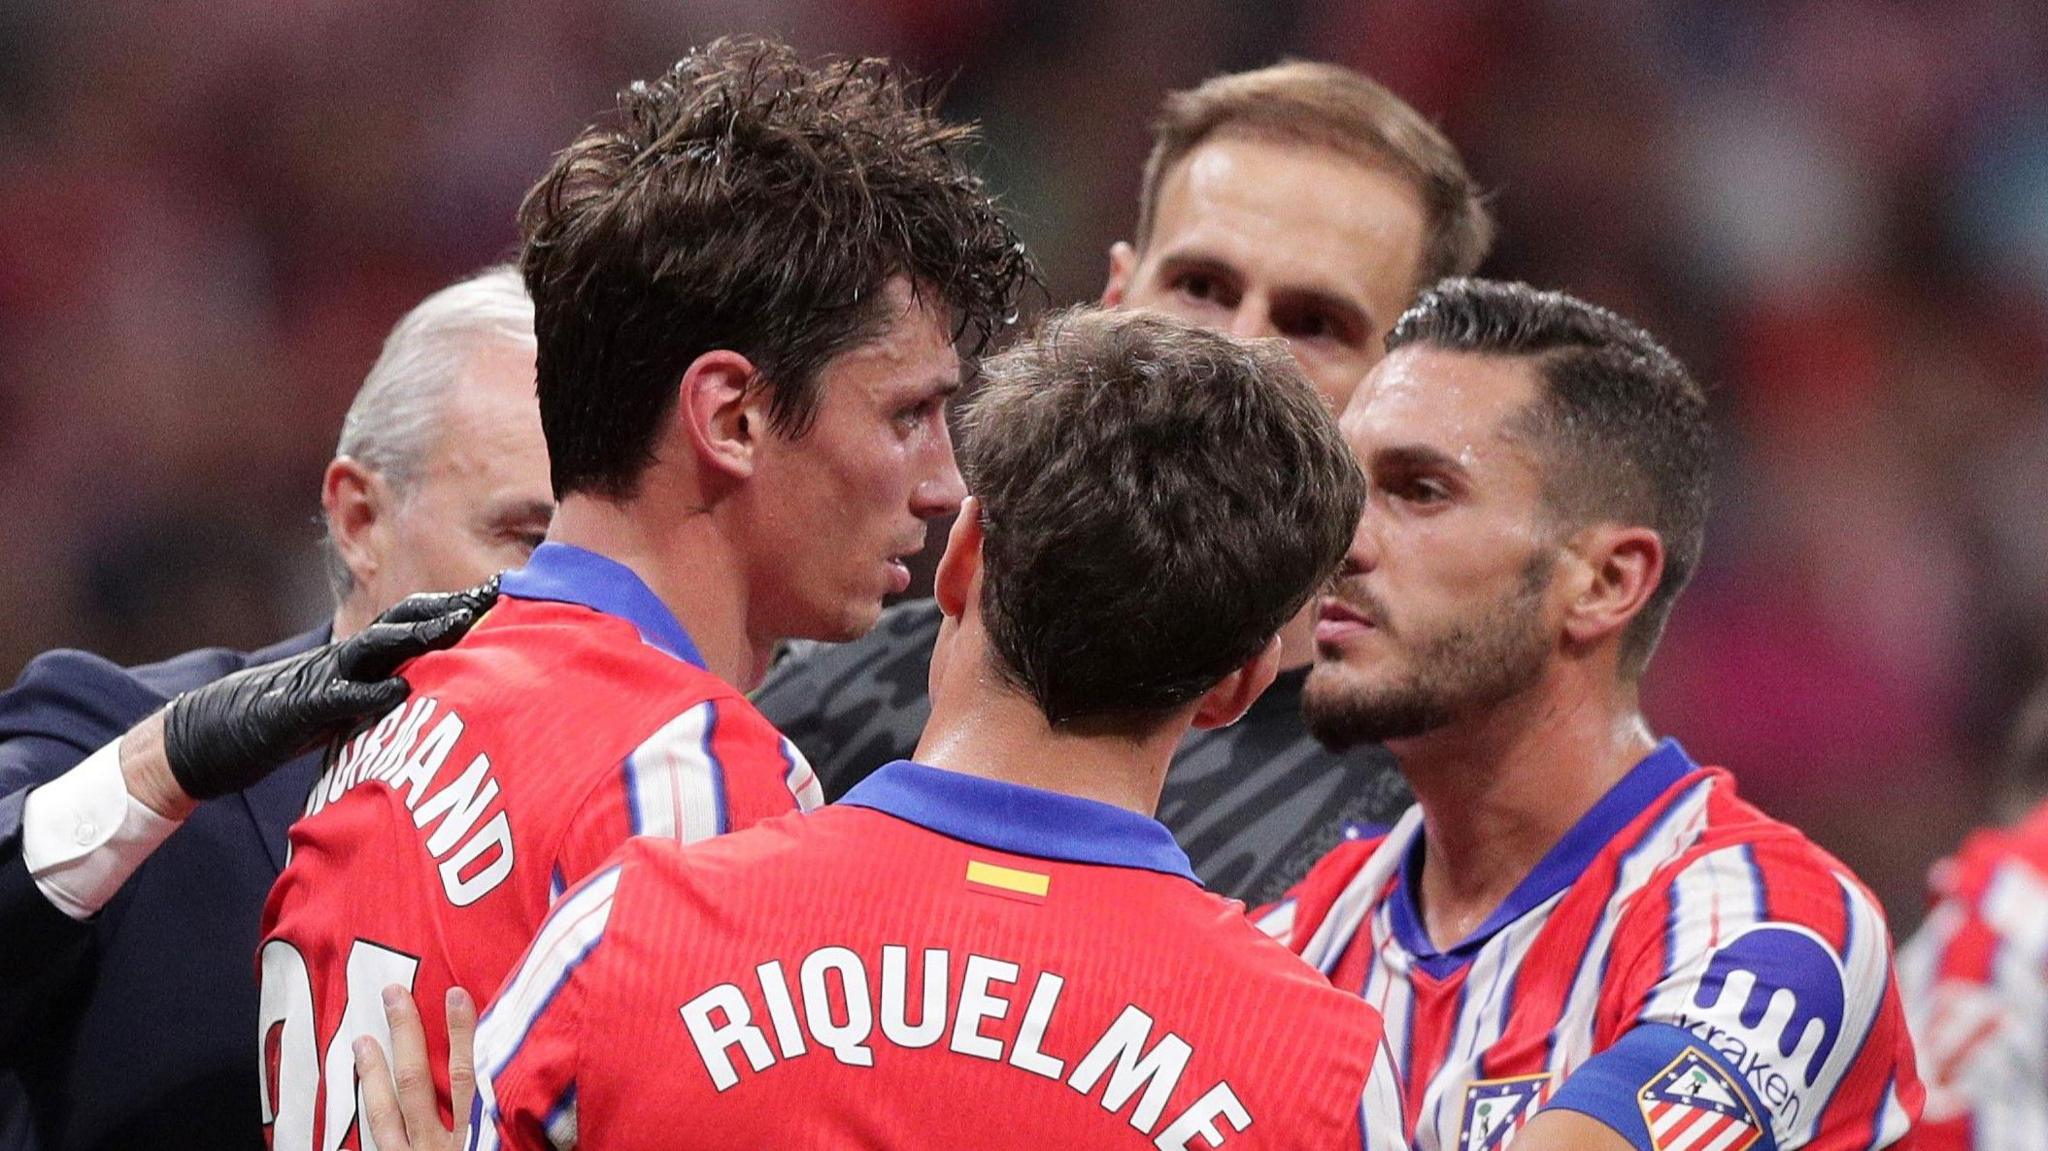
column 1466, row 669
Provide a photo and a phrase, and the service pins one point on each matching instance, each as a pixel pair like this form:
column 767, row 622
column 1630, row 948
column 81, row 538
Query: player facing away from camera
column 996, row 946
column 1579, row 938
column 747, row 290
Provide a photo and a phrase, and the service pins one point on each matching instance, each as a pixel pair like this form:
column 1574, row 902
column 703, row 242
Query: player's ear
column 958, row 580
column 1227, row 702
column 357, row 504
column 1612, row 570
column 724, row 417
column 1123, row 264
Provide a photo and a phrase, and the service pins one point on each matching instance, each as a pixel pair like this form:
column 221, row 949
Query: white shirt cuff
column 83, row 835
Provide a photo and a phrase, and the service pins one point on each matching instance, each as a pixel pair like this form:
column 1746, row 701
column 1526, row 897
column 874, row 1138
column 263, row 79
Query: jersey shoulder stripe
column 1381, row 1117
column 800, row 779
column 674, row 781
column 573, row 930
column 566, row 941
column 1342, row 890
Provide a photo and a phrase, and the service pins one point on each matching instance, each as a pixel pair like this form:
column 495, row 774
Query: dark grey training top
column 1252, row 804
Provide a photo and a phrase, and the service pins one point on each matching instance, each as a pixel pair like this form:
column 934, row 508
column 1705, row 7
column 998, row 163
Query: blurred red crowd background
column 1835, row 211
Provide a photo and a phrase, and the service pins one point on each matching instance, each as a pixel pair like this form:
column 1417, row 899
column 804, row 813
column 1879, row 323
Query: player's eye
column 1428, row 491
column 1310, row 327
column 1314, row 324
column 1204, row 288
column 1419, row 490
column 910, row 418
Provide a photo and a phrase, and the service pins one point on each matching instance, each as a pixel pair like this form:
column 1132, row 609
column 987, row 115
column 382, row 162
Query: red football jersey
column 573, row 716
column 936, row 961
column 1975, row 980
column 1749, row 972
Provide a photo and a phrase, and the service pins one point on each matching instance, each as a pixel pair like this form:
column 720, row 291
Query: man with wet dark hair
column 1151, row 503
column 748, row 287
column 1303, row 202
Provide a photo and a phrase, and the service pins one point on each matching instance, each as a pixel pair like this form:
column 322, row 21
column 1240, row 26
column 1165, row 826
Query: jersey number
column 292, row 1067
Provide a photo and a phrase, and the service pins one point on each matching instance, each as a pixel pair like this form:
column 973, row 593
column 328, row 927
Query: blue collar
column 1020, row 820
column 567, row 574
column 1566, row 860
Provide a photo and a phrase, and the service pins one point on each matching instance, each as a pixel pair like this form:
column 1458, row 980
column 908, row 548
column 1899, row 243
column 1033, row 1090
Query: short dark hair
column 746, row 201
column 1158, row 499
column 1625, row 424
column 1332, row 107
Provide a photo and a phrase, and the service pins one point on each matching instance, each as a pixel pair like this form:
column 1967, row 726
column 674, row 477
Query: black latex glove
column 234, row 731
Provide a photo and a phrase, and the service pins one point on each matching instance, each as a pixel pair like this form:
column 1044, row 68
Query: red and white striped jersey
column 937, row 960
column 1975, row 981
column 1750, row 971
column 574, row 715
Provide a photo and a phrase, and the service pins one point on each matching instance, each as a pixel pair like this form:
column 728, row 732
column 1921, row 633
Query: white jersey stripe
column 1326, row 947
column 561, row 1122
column 1675, row 831
column 1896, row 1122
column 800, row 779
column 675, row 786
column 483, row 1124
column 1390, row 993
column 1381, row 1126
column 1431, row 1113
column 2012, row 910
column 1700, row 935
column 1660, row 1131
column 1918, row 963
column 1731, row 1130
column 1278, row 922
column 1489, row 982
column 568, row 936
column 1868, row 976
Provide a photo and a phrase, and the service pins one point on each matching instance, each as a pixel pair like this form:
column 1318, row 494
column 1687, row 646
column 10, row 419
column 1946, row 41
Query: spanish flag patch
column 1008, row 882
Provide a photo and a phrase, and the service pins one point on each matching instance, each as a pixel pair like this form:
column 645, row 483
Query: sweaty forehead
column 1304, row 209
column 1455, row 402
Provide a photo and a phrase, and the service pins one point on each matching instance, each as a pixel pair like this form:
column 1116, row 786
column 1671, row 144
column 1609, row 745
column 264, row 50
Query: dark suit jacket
column 137, row 1028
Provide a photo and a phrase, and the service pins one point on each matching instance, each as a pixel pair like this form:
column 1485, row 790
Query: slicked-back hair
column 1622, row 422
column 750, row 202
column 1157, row 500
column 1331, row 107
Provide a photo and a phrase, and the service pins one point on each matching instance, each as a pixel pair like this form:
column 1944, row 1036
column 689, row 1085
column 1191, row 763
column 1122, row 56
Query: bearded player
column 747, row 290
column 1579, row 937
column 997, row 946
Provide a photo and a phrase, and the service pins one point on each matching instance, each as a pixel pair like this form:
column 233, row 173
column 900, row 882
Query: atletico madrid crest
column 1693, row 1105
column 1497, row 1108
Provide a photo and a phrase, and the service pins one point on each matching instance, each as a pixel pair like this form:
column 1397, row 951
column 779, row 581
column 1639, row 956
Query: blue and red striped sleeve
column 1768, row 959
column 527, row 1044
